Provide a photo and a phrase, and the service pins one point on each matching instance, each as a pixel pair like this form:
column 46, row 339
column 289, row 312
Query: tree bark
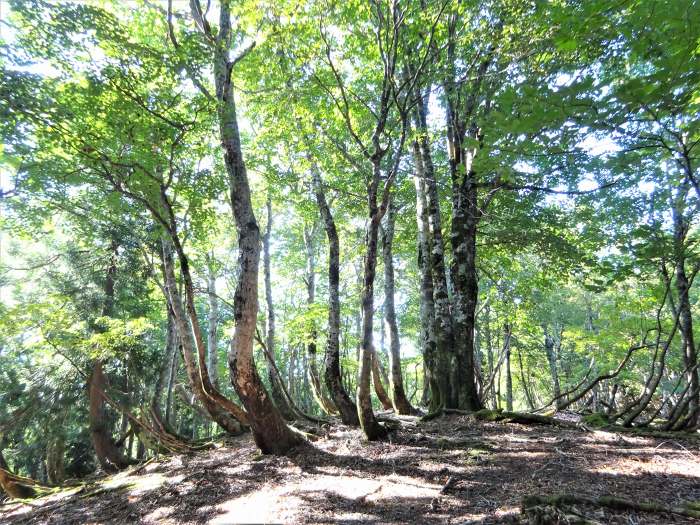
column 163, row 381
column 197, row 375
column 378, row 384
column 681, row 227
column 341, row 399
column 212, row 326
column 319, row 396
column 399, row 400
column 370, row 426
column 108, row 453
column 276, row 390
column 443, row 327
column 427, row 305
column 509, row 376
column 271, row 433
column 552, row 360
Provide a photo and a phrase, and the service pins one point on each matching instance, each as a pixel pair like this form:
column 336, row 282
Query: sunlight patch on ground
column 282, row 503
column 650, row 463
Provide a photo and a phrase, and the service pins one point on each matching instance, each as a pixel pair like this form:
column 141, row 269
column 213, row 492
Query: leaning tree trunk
column 377, row 382
column 270, row 431
column 334, row 383
column 276, row 390
column 198, row 376
column 688, row 340
column 398, row 396
column 322, row 401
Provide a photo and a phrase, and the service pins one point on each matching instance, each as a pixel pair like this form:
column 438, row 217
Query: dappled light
column 350, row 261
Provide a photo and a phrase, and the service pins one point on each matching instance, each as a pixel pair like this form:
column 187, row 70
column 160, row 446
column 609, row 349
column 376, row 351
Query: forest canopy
column 263, row 217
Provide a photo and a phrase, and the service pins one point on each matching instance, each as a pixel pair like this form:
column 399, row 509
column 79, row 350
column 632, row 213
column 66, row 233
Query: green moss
column 596, row 419
column 486, row 414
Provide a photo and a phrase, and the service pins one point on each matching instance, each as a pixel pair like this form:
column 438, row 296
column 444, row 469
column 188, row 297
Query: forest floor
column 449, row 470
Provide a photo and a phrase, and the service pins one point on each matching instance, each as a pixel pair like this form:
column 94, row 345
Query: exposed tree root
column 19, row 487
column 533, row 505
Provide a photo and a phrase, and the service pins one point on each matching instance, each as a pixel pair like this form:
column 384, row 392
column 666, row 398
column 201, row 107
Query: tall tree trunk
column 391, row 329
column 427, row 305
column 108, row 453
column 377, row 382
column 322, row 401
column 334, row 383
column 172, row 378
column 681, row 226
column 509, row 376
column 270, row 431
column 275, row 388
column 466, row 290
column 212, row 325
column 443, row 327
column 552, row 360
column 166, row 366
column 370, row 426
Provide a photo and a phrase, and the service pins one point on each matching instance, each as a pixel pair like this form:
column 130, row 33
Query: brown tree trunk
column 55, row 464
column 107, row 451
column 270, row 431
column 108, row 454
column 398, row 396
column 334, row 383
column 370, row 426
column 196, row 372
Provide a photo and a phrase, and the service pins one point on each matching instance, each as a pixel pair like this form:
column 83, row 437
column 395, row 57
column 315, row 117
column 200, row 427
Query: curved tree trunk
column 334, row 383
column 377, row 382
column 276, row 389
column 270, row 431
column 398, row 395
column 197, row 376
column 108, row 453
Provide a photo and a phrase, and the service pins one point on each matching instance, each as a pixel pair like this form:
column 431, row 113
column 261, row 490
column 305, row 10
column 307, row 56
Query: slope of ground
column 450, row 470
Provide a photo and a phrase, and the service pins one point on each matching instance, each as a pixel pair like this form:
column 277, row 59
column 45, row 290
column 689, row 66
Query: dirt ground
column 449, row 470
